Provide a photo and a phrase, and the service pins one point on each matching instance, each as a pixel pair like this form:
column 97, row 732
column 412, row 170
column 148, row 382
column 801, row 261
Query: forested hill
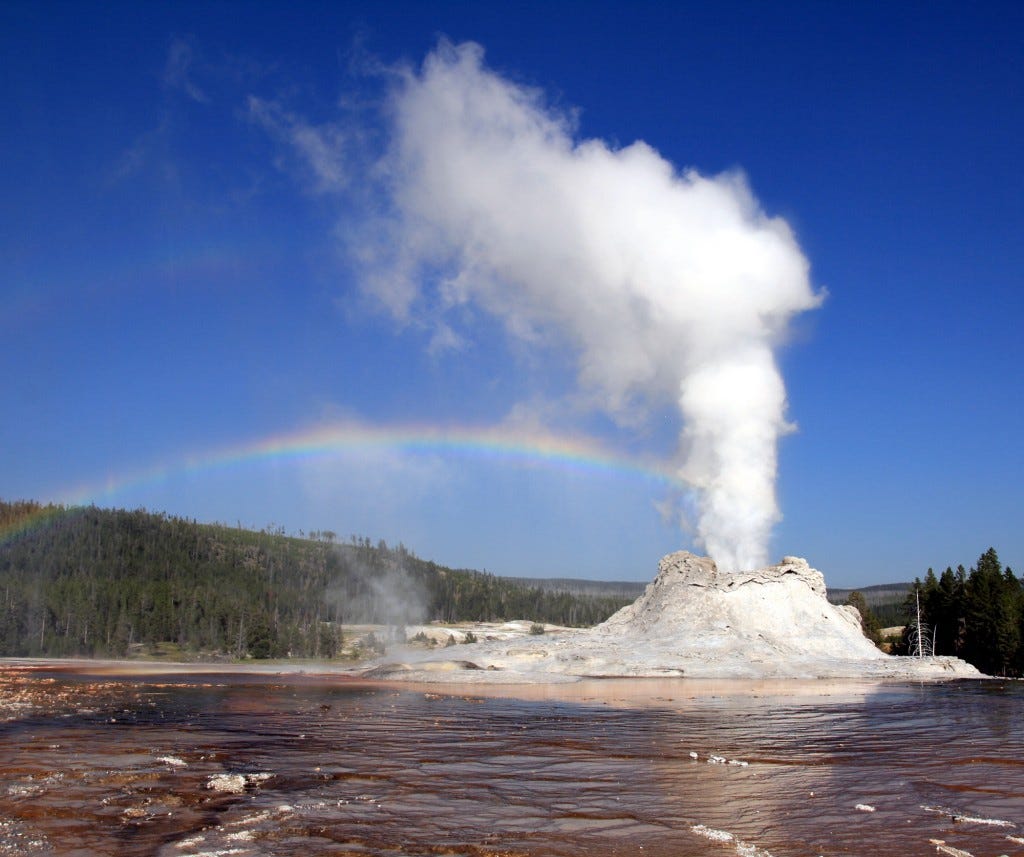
column 89, row 581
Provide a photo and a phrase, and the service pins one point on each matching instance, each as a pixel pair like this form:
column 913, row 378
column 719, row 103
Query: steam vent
column 696, row 621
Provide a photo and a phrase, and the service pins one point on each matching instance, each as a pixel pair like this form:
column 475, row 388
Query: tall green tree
column 992, row 608
column 868, row 621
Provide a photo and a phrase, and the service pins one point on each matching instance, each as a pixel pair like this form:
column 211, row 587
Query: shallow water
column 96, row 765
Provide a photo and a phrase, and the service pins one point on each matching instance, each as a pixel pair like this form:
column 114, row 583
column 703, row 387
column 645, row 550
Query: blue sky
column 179, row 283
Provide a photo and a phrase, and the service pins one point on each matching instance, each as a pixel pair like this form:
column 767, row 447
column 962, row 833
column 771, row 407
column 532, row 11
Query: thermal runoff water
column 303, row 765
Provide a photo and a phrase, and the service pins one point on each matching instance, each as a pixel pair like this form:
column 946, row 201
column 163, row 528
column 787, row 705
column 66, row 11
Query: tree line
column 977, row 615
column 103, row 582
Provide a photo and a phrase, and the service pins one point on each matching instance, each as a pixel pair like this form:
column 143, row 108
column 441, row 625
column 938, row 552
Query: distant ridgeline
column 625, row 590
column 89, row 581
column 886, row 601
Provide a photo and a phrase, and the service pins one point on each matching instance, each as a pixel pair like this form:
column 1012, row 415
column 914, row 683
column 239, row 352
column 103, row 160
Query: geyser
column 695, row 621
column 668, row 287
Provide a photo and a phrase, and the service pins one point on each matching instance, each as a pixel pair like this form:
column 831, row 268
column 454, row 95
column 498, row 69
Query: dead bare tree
column 921, row 640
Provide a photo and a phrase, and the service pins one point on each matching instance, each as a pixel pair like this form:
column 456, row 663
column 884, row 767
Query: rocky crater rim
column 693, row 570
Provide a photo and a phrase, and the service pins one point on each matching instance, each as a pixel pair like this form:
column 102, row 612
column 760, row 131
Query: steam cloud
column 668, row 285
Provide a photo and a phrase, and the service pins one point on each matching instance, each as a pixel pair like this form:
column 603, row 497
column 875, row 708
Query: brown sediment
column 139, row 667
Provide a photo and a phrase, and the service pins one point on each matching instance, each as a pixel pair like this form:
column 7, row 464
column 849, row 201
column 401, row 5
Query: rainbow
column 493, row 444
column 503, row 446
column 22, row 518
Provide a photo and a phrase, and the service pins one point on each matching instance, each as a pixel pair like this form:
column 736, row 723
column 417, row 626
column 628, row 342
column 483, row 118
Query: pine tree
column 992, row 608
column 947, row 614
column 868, row 621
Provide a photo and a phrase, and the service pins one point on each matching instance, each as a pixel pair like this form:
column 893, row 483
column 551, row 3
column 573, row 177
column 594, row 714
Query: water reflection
column 292, row 765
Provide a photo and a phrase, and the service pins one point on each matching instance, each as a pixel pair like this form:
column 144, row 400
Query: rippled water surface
column 301, row 765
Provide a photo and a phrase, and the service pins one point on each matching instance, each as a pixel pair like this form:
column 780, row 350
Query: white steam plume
column 666, row 283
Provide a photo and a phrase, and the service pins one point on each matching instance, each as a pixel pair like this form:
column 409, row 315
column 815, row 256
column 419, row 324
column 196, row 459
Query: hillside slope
column 90, row 581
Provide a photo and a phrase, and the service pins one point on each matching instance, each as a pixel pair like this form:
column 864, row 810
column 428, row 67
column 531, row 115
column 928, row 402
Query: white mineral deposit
column 697, row 621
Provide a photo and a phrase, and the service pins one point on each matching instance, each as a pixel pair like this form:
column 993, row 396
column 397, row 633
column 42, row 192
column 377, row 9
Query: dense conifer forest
column 975, row 614
column 90, row 581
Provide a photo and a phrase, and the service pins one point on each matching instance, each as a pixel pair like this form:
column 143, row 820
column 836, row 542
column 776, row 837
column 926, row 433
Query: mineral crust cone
column 778, row 610
column 694, row 620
